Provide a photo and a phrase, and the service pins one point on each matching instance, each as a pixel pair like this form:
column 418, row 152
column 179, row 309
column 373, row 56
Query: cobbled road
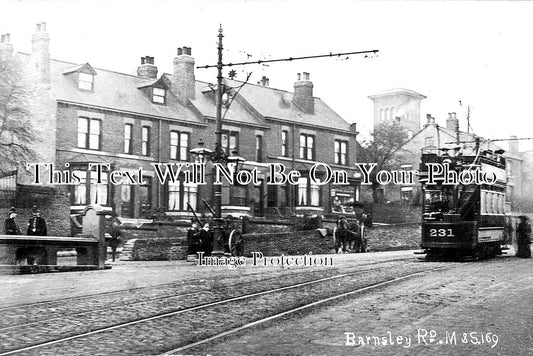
column 477, row 308
column 154, row 319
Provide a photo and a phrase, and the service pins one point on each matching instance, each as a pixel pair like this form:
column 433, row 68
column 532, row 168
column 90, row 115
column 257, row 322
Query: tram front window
column 436, row 202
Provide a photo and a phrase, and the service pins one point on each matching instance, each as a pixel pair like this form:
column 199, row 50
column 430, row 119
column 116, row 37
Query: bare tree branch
column 383, row 149
column 16, row 130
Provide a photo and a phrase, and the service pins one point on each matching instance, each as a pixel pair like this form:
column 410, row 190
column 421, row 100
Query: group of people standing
column 202, row 239
column 199, row 239
column 36, row 225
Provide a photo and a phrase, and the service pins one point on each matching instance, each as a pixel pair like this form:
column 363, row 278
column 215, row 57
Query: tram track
column 292, row 311
column 118, row 292
column 219, row 295
column 294, row 290
column 61, row 306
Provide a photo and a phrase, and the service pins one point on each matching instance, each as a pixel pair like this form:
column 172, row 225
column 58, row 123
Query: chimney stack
column 6, row 48
column 452, row 123
column 303, row 93
column 40, row 53
column 513, row 144
column 183, row 80
column 147, row 69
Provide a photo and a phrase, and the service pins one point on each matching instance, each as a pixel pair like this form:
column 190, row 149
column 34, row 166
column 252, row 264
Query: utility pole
column 218, row 132
column 218, row 221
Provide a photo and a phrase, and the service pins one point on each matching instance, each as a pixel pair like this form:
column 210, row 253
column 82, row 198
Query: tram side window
column 492, row 202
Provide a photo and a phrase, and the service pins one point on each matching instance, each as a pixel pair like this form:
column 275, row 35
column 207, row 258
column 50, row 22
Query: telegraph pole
column 217, row 220
column 218, row 132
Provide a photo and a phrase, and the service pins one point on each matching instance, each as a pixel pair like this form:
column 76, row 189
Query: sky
column 478, row 53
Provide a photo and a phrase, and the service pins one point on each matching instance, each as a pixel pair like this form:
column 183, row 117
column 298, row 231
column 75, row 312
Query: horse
column 348, row 236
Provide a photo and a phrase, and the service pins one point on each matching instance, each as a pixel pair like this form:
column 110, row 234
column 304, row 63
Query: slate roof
column 238, row 113
column 123, row 92
column 277, row 104
column 115, row 91
column 85, row 66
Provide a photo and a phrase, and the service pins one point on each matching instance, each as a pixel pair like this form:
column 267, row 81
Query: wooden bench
column 23, row 251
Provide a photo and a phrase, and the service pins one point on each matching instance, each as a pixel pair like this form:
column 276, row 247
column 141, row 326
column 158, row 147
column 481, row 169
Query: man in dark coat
column 36, row 225
column 115, row 235
column 206, row 237
column 10, row 225
column 193, row 240
column 523, row 234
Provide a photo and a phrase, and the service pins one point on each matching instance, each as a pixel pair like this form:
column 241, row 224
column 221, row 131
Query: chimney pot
column 8, row 37
column 306, row 76
column 180, row 51
column 147, row 69
column 452, row 123
column 38, row 27
column 43, row 26
column 2, row 38
column 299, row 76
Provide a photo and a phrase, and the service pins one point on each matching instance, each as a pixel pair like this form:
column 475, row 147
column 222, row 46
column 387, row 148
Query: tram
column 463, row 210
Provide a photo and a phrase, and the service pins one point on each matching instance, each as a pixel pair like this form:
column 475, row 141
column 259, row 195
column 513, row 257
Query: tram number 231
column 441, row 233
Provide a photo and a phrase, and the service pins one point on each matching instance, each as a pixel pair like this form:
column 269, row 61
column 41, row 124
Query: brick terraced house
column 88, row 115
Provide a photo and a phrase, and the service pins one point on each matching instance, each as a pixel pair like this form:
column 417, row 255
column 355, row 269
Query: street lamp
column 216, row 156
column 203, row 155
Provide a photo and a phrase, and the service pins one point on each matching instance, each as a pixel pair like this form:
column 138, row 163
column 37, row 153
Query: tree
column 16, row 131
column 383, row 148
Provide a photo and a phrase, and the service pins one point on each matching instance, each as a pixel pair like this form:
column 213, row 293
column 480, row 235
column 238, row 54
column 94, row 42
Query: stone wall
column 297, row 243
column 154, row 249
column 168, row 241
column 396, row 213
column 267, row 226
column 394, row 237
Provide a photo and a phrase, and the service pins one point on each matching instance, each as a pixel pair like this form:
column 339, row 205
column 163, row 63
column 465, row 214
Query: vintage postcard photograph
column 253, row 177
